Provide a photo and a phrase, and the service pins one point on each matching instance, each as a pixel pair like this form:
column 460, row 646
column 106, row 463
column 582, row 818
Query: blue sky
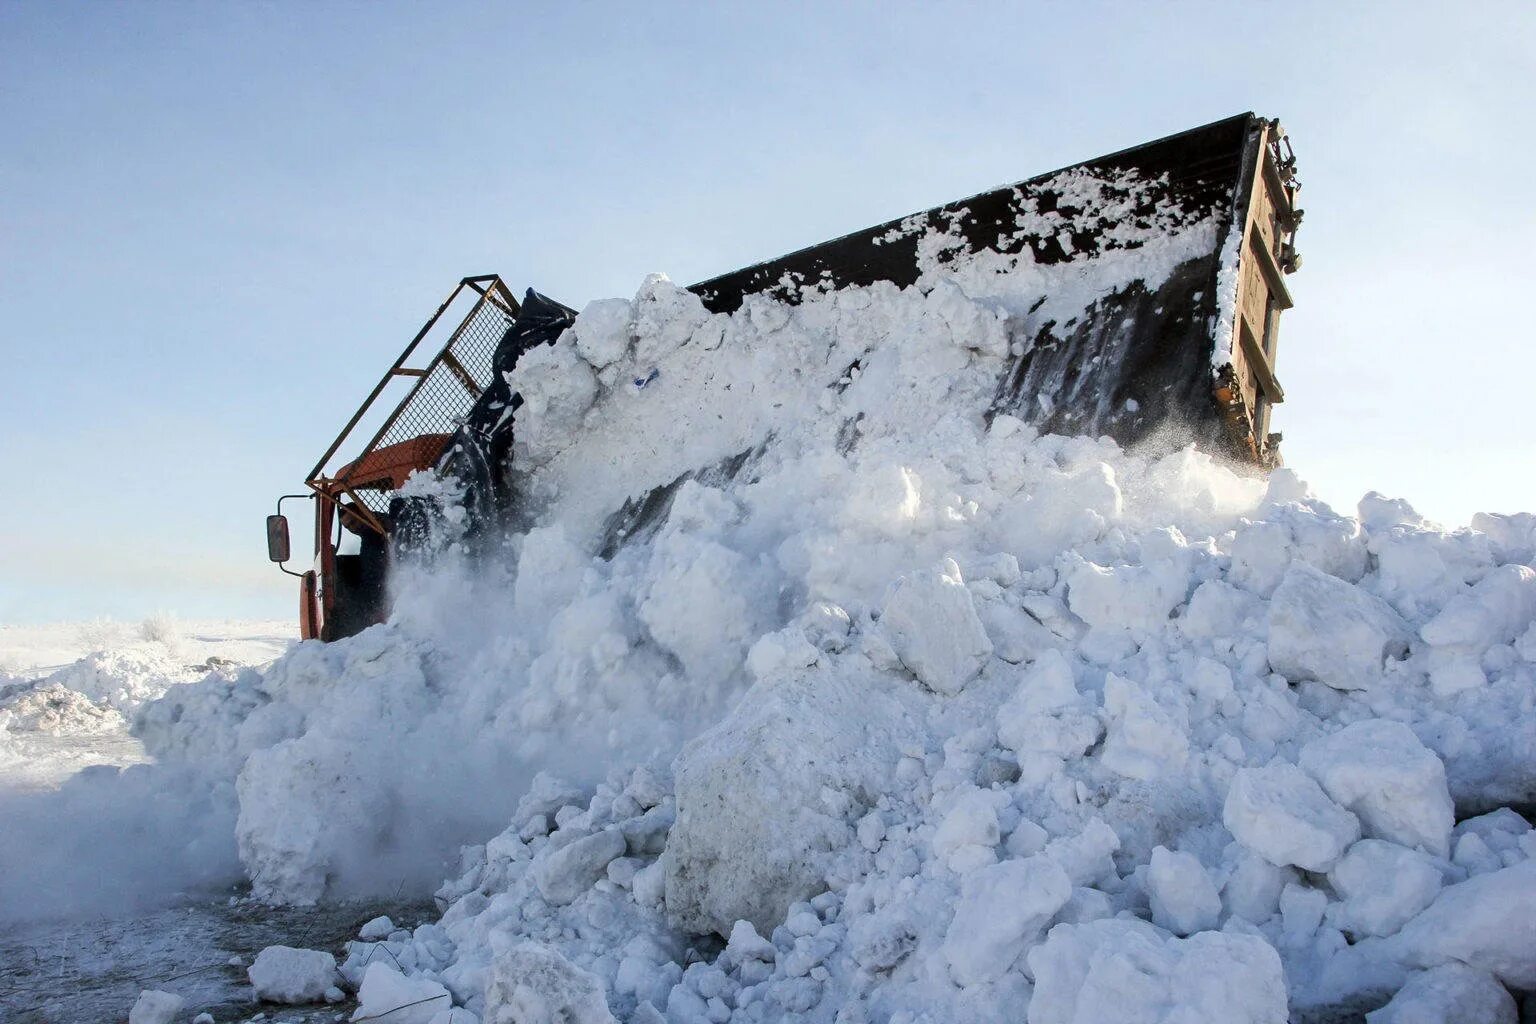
column 220, row 222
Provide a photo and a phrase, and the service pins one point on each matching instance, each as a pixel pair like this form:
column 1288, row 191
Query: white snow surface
column 69, row 690
column 730, row 773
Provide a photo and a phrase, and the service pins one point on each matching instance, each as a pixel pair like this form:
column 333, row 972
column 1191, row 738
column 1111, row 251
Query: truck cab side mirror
column 277, row 538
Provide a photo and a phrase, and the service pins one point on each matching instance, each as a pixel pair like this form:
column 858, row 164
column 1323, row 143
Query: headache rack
column 415, row 432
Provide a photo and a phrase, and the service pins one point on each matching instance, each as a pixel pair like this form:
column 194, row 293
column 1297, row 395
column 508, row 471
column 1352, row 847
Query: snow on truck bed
column 885, row 712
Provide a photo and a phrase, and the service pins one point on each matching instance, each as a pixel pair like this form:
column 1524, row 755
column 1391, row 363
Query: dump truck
column 1194, row 355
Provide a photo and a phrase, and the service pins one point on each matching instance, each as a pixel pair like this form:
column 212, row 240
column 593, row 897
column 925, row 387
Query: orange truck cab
column 345, row 591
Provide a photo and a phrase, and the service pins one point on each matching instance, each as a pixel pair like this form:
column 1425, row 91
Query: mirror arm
column 283, row 565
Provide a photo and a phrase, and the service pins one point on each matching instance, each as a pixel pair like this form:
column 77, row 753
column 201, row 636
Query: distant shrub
column 163, row 628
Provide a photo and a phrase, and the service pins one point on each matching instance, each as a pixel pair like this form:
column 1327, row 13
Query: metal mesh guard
column 441, row 399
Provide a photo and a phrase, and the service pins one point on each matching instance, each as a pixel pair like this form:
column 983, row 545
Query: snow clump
column 282, row 974
column 155, row 1007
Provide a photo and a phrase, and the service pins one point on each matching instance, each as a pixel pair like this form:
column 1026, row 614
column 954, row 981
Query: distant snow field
column 69, row 689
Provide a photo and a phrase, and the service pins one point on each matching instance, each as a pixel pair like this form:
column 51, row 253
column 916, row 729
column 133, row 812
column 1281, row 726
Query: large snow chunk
column 1126, row 970
column 603, row 331
column 155, row 1007
column 1047, row 685
column 1487, row 922
column 745, row 944
column 1001, row 911
column 282, row 974
column 1218, row 609
column 701, row 606
column 971, row 324
column 1451, row 994
column 1252, row 891
column 1378, row 513
column 1495, row 611
column 1278, row 812
column 568, row 872
column 377, row 929
column 547, row 794
column 1260, row 554
column 969, row 832
column 665, row 317
column 1145, row 739
column 533, row 984
column 1325, row 540
column 1017, row 636
column 1139, row 597
column 1325, row 629
column 1513, row 536
column 1087, row 857
column 406, row 1000
column 1383, row 885
column 1061, row 510
column 557, row 387
column 1046, row 714
column 1183, row 897
column 931, row 623
column 781, row 652
column 758, row 821
column 1501, row 832
column 1396, row 786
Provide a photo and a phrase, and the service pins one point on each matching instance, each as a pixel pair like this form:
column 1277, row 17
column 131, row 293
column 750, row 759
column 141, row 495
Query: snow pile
column 111, row 669
column 97, row 692
column 877, row 709
column 126, row 677
column 77, row 835
column 55, row 709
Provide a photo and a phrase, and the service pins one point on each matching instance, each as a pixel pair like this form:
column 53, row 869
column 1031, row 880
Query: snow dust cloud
column 87, row 828
column 110, row 843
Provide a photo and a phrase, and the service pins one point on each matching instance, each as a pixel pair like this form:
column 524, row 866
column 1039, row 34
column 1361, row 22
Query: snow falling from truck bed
column 880, row 708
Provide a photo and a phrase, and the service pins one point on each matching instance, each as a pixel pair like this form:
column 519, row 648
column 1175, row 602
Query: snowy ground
column 892, row 713
column 68, row 689
column 73, row 971
column 67, row 694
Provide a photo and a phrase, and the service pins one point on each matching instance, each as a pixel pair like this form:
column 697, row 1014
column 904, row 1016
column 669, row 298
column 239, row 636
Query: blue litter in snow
column 641, row 382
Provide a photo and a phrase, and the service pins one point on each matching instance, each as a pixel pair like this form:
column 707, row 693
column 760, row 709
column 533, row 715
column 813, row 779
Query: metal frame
column 492, row 290
column 283, row 565
column 1269, row 173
